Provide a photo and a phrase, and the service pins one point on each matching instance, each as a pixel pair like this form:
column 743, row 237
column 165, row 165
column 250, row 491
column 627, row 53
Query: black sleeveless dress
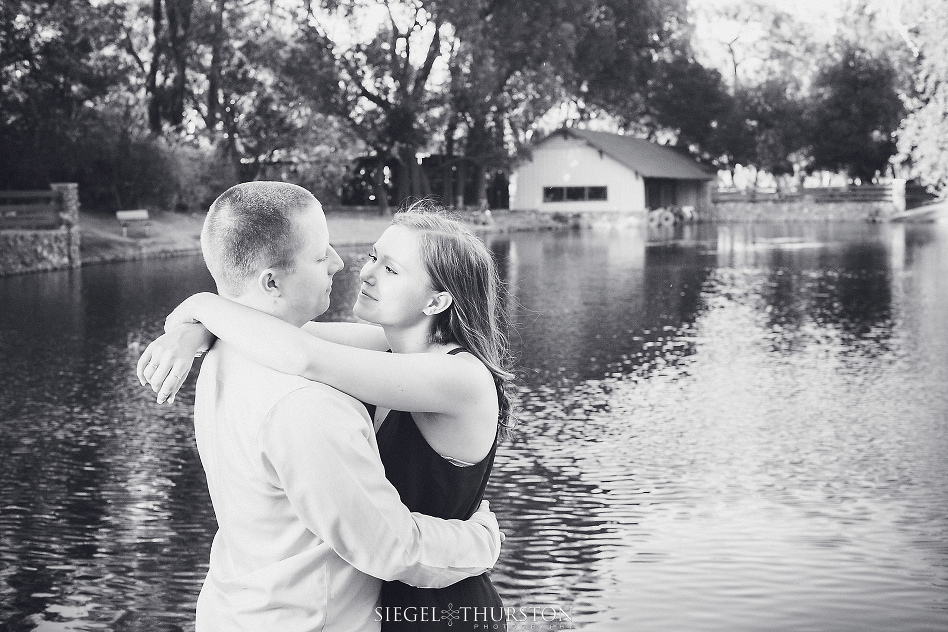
column 430, row 484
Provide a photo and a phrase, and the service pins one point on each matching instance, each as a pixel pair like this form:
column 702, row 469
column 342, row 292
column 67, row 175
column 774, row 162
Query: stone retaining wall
column 40, row 250
column 34, row 250
column 799, row 211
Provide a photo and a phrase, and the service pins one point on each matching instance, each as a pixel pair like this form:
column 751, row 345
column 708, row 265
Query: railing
column 862, row 193
column 31, row 209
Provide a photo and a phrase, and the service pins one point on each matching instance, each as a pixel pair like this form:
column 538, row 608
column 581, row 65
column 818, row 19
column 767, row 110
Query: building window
column 596, row 193
column 553, row 194
column 574, row 194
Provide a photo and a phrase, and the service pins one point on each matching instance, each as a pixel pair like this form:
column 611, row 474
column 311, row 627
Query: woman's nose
column 365, row 274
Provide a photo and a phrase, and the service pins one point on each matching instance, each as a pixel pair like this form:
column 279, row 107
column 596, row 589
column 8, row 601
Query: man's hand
column 167, row 361
column 486, row 517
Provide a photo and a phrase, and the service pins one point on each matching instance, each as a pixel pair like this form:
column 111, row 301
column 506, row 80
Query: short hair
column 251, row 226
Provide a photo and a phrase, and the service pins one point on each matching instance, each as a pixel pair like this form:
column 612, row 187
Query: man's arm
column 318, row 446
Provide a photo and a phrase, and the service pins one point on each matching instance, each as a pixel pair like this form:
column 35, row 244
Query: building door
column 659, row 193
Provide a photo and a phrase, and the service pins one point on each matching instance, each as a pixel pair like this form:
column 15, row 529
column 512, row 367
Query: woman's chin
column 358, row 311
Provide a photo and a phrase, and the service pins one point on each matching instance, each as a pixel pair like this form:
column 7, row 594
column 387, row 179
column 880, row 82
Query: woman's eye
column 388, row 269
column 373, row 257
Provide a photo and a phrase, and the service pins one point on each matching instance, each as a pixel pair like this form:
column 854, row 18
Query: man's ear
column 270, row 282
column 438, row 303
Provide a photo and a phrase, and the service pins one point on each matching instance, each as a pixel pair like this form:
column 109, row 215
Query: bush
column 117, row 167
column 199, row 175
column 122, row 171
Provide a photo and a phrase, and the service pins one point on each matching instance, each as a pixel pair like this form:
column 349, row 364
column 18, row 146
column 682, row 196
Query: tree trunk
column 481, row 189
column 214, row 74
column 179, row 26
column 378, row 186
column 459, row 195
column 425, row 182
column 176, row 112
column 477, row 150
column 151, row 82
column 447, row 172
column 403, row 178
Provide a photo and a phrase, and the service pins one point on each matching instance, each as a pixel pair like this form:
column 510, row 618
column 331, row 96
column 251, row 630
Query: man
column 308, row 524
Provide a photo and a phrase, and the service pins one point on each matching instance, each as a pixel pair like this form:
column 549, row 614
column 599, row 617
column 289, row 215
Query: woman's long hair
column 460, row 264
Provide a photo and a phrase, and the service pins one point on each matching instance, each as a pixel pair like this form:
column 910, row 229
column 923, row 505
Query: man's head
column 267, row 246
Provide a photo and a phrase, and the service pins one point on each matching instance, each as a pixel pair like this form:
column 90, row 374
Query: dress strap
column 457, row 351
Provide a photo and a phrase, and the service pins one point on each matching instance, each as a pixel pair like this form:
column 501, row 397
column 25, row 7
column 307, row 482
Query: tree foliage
column 57, row 62
column 122, row 96
column 855, row 114
column 923, row 136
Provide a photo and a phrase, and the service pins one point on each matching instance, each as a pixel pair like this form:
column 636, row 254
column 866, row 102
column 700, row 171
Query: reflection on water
column 742, row 427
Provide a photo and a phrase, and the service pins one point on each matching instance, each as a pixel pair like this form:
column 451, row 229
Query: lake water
column 742, row 428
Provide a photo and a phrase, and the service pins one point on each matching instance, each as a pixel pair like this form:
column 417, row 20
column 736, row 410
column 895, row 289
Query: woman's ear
column 438, row 303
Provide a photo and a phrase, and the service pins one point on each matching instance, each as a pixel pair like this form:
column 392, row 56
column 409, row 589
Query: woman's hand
column 167, row 361
column 188, row 311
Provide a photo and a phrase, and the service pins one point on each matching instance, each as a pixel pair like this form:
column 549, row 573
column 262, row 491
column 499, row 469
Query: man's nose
column 336, row 263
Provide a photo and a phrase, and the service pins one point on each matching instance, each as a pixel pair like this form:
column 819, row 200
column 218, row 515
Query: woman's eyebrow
column 389, row 258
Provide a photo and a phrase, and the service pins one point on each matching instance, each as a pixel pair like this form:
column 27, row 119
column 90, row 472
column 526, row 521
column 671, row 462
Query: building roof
column 645, row 157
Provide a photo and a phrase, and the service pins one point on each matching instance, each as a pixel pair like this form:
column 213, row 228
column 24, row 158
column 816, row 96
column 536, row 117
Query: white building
column 574, row 170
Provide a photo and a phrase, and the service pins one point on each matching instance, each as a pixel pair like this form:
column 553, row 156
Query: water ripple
column 744, row 432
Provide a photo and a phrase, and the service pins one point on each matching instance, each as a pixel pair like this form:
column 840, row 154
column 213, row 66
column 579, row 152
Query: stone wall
column 799, row 211
column 40, row 250
column 34, row 250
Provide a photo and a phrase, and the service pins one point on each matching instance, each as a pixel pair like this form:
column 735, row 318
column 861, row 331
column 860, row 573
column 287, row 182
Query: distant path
column 929, row 212
column 176, row 234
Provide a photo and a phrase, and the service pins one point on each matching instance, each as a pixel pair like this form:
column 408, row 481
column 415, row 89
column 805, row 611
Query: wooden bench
column 137, row 217
column 29, row 209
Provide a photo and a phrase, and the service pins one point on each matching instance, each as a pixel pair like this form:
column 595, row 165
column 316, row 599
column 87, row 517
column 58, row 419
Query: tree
column 621, row 46
column 377, row 84
column 268, row 84
column 277, row 115
column 506, row 69
column 690, row 100
column 519, row 60
column 856, row 112
column 165, row 29
column 923, row 135
column 759, row 42
column 66, row 110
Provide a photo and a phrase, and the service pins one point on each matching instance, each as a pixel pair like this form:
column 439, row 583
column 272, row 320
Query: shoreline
column 171, row 234
column 168, row 234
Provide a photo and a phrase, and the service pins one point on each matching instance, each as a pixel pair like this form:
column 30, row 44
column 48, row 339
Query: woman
column 433, row 288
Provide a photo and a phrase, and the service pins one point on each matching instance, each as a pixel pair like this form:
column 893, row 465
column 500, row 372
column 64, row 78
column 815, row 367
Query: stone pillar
column 704, row 206
column 69, row 212
column 898, row 194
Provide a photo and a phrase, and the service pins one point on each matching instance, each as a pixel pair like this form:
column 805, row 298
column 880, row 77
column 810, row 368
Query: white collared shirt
column 308, row 523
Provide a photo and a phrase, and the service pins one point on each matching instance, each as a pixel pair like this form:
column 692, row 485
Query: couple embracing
column 346, row 462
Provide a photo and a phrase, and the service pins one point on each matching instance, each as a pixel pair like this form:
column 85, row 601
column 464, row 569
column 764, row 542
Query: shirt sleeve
column 320, row 449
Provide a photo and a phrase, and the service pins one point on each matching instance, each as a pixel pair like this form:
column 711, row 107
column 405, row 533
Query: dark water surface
column 742, row 429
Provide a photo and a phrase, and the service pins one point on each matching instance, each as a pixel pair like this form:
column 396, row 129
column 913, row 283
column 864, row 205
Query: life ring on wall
column 666, row 218
column 654, row 219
